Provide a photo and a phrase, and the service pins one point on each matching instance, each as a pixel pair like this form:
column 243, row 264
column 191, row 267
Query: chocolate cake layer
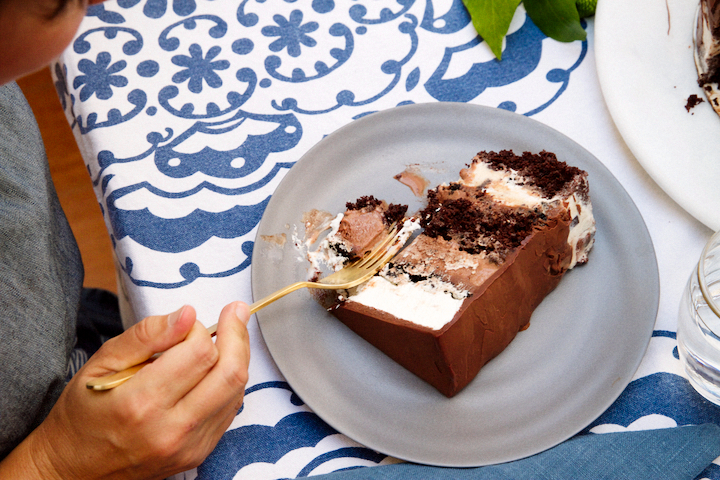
column 493, row 245
column 488, row 320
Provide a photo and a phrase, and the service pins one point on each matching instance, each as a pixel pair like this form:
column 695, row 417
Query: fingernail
column 242, row 311
column 175, row 316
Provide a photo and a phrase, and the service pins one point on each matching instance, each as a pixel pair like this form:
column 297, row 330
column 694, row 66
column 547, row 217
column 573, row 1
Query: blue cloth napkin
column 680, row 453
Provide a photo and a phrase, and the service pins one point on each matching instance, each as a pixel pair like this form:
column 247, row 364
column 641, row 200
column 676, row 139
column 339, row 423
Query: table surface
column 189, row 113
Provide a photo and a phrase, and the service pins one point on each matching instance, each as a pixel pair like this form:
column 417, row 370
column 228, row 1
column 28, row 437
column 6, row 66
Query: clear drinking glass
column 698, row 332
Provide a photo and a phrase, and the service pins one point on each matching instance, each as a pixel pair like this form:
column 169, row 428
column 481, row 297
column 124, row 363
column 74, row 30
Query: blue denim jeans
column 41, row 276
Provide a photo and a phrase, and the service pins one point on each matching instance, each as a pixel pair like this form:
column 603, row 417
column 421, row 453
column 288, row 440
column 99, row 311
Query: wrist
column 29, row 460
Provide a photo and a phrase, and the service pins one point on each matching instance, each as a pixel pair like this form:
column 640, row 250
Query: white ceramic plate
column 644, row 52
column 584, row 343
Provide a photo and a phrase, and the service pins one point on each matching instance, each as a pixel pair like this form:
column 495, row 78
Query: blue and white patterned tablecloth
column 189, row 113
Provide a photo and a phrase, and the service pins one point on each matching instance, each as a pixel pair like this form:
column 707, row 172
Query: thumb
column 152, row 335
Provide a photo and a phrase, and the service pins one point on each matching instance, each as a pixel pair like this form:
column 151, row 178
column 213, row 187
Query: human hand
column 164, row 420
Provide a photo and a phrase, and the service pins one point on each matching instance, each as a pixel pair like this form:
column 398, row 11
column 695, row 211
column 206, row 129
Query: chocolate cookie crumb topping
column 543, row 170
column 481, row 225
column 693, row 101
column 362, row 202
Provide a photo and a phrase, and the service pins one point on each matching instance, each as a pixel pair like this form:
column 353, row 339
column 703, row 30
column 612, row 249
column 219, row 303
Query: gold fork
column 348, row 277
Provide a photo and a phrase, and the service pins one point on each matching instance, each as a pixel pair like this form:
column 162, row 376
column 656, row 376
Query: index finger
column 152, row 335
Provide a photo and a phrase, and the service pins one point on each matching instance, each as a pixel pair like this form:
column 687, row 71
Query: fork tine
column 357, row 272
column 376, row 249
column 391, row 247
column 380, row 261
column 379, row 249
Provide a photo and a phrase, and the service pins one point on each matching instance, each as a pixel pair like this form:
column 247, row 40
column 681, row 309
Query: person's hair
column 51, row 10
column 59, row 7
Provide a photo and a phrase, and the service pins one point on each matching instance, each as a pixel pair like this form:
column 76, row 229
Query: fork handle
column 113, row 380
column 264, row 302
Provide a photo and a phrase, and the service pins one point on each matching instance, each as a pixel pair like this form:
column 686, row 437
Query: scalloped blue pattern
column 200, row 107
column 195, row 69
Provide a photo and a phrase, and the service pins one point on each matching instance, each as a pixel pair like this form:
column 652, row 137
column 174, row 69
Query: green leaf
column 558, row 19
column 491, row 19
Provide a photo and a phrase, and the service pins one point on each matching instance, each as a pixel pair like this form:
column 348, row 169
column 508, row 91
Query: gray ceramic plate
column 584, row 343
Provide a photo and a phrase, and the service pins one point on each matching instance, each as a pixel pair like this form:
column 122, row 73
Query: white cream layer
column 582, row 211
column 416, row 302
column 324, row 255
column 710, row 46
column 504, row 185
